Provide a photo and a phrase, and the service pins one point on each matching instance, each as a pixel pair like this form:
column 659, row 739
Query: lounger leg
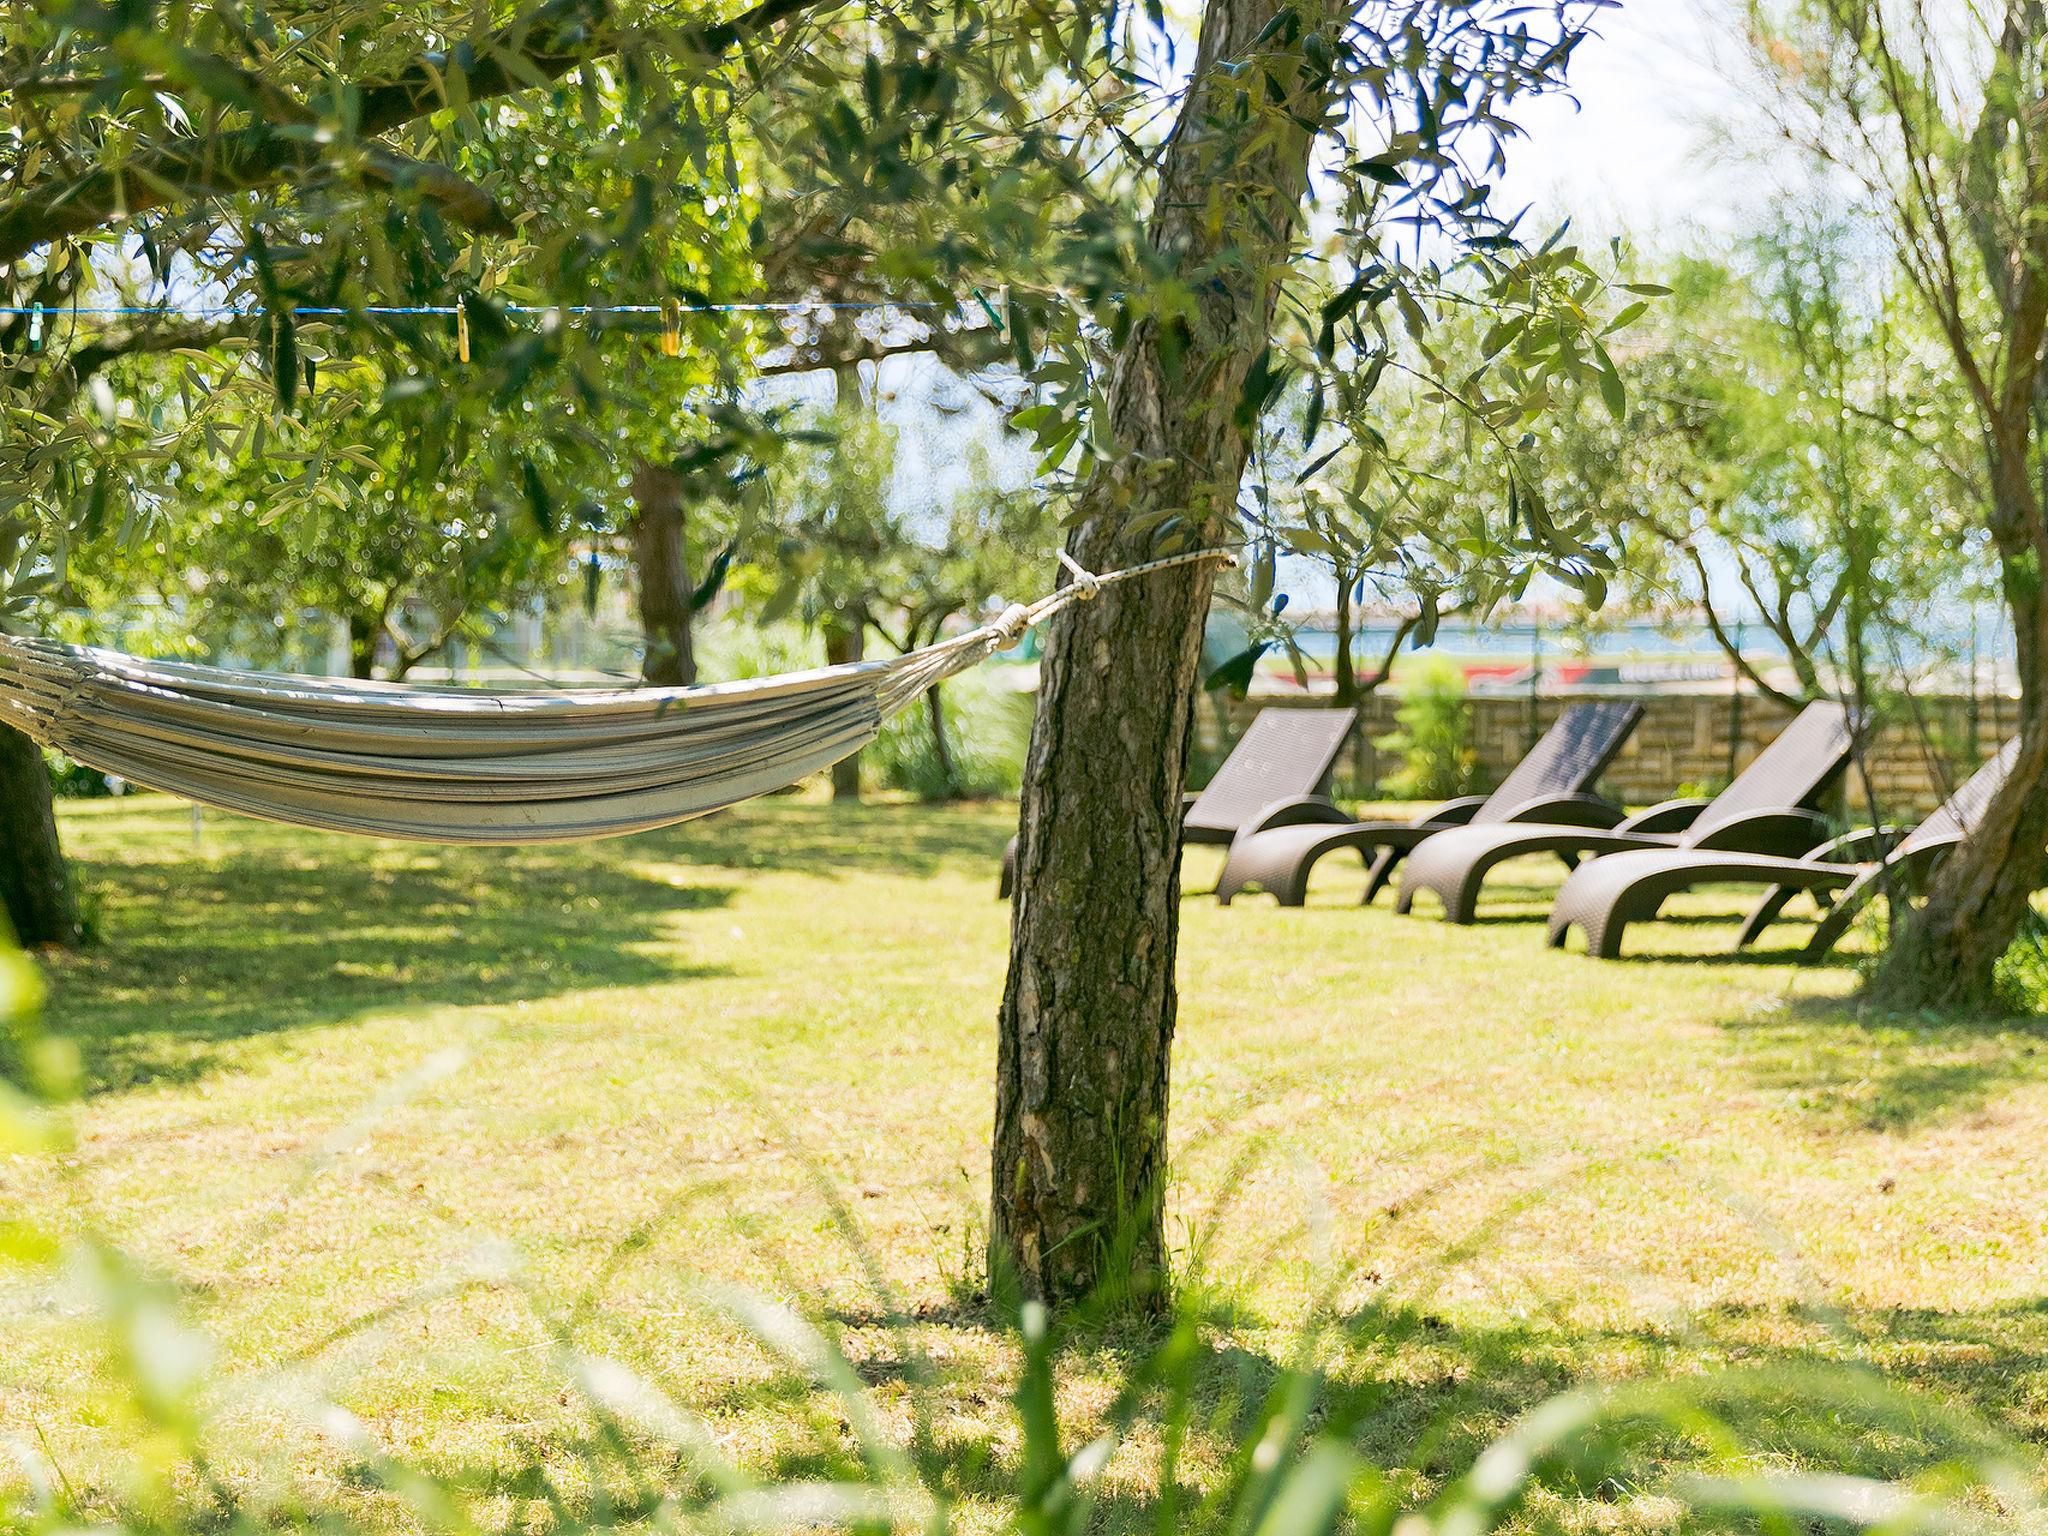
column 1461, row 905
column 1763, row 914
column 1379, row 873
column 1831, row 928
column 1243, row 867
column 1640, row 905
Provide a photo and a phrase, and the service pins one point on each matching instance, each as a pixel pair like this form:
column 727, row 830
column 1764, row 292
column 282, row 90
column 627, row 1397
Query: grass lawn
column 404, row 1119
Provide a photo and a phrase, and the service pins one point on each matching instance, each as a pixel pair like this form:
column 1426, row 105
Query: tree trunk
column 662, row 559
column 845, row 641
column 1945, row 953
column 35, row 885
column 1087, row 1022
column 935, row 712
column 1346, row 669
column 362, row 646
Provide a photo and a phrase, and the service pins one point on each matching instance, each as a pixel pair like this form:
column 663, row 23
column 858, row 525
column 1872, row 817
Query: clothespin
column 35, row 328
column 462, row 330
column 671, row 328
column 995, row 317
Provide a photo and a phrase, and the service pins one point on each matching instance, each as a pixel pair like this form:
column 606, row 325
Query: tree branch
column 1726, row 641
column 540, row 47
column 459, row 198
column 82, row 363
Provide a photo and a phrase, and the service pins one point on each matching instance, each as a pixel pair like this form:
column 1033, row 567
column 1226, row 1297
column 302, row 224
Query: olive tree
column 1938, row 115
column 1379, row 118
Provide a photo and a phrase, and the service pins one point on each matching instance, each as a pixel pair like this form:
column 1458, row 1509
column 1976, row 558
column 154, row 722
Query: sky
column 1655, row 91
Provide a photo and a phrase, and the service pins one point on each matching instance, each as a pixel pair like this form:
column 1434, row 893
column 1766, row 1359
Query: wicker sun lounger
column 1768, row 809
column 1602, row 898
column 1286, row 755
column 1552, row 783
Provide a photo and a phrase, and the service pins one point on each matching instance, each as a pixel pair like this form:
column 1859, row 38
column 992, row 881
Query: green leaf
column 1612, row 390
column 538, row 501
column 1626, row 318
column 782, row 602
column 1236, row 673
column 1263, row 572
column 1314, row 1493
column 1425, row 626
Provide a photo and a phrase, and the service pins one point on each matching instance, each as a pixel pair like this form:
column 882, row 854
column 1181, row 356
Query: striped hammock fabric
column 454, row 765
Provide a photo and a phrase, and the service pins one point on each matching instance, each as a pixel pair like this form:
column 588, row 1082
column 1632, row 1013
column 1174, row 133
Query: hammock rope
column 457, row 765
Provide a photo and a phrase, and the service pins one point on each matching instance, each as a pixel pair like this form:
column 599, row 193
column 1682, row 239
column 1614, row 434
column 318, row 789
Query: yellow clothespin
column 462, row 330
column 671, row 328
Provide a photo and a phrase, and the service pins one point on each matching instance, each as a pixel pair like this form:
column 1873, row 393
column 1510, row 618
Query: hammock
column 452, row 765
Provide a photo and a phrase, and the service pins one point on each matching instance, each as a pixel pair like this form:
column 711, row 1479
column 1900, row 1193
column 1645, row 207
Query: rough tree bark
column 661, row 558
column 35, row 884
column 1088, row 1012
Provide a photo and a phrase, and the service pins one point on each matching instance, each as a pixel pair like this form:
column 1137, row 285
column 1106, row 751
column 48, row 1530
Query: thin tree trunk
column 844, row 642
column 935, row 712
column 662, row 559
column 1086, row 1031
column 1346, row 671
column 35, row 884
column 363, row 631
column 845, row 635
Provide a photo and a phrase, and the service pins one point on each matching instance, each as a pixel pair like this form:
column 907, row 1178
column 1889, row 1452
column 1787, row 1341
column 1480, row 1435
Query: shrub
column 2020, row 981
column 1432, row 740
column 988, row 729
column 988, row 725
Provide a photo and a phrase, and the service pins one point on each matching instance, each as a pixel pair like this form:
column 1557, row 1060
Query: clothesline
column 670, row 310
column 253, row 311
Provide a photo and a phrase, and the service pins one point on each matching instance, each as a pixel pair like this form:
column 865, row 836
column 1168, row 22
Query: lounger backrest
column 1958, row 815
column 1286, row 752
column 1794, row 770
column 1569, row 759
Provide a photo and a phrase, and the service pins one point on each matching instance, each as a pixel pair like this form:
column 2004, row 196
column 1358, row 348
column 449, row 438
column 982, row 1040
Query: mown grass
column 404, row 1119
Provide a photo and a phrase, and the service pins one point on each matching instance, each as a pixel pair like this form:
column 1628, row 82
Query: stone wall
column 1687, row 743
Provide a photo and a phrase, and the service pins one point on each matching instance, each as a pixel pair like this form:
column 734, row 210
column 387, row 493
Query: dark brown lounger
column 1768, row 809
column 1286, row 755
column 1552, row 783
column 1604, row 897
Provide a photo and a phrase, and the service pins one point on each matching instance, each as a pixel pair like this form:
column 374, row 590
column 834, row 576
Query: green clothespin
column 994, row 318
column 35, row 328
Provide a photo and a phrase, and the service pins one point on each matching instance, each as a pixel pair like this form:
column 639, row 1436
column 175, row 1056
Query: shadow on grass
column 1884, row 1072
column 834, row 841
column 197, row 954
column 262, row 930
column 1422, row 1397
